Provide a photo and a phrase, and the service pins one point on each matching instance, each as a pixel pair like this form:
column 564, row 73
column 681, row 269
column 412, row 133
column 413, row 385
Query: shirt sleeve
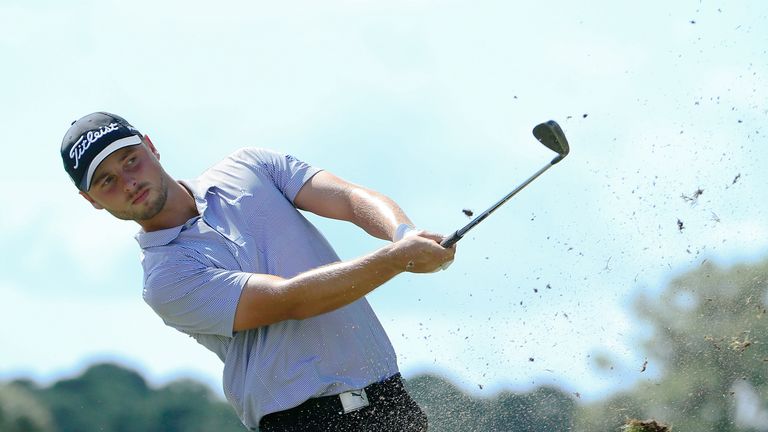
column 286, row 172
column 192, row 297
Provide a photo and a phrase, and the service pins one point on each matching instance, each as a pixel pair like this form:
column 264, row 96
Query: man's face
column 130, row 183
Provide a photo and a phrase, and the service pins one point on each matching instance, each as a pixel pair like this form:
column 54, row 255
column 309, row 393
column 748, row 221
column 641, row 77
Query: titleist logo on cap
column 89, row 138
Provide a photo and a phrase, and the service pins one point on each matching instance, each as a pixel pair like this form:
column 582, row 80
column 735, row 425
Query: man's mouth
column 141, row 196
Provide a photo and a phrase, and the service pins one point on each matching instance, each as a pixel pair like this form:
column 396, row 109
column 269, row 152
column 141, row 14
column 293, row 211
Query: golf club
column 551, row 135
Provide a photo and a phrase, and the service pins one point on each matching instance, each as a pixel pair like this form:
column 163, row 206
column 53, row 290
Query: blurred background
column 627, row 282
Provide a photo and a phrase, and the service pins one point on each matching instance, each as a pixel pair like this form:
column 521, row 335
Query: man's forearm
column 329, row 196
column 335, row 285
column 267, row 299
column 376, row 213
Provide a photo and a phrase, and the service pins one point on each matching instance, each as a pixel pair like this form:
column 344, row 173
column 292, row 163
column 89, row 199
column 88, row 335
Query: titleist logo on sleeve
column 89, row 138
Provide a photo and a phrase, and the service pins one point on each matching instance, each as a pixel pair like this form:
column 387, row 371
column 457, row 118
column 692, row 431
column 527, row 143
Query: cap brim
column 103, row 154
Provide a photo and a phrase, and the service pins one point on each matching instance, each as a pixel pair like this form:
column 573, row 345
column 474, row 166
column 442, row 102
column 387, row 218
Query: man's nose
column 129, row 183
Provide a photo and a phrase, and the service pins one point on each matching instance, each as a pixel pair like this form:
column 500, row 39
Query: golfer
column 229, row 260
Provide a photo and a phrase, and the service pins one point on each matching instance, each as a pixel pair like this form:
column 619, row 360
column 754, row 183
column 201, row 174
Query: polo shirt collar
column 165, row 236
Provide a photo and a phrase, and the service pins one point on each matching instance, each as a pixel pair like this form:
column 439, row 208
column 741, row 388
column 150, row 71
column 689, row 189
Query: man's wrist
column 403, row 230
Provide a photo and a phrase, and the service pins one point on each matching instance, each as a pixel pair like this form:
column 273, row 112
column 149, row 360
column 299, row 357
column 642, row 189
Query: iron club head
column 551, row 135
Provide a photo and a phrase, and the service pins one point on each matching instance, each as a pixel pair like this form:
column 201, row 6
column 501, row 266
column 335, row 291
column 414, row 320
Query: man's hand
column 421, row 252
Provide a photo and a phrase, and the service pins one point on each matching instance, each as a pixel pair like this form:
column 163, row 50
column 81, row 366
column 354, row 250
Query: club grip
column 450, row 240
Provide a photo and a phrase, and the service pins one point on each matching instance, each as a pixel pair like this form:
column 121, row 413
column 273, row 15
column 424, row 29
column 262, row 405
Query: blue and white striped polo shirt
column 194, row 273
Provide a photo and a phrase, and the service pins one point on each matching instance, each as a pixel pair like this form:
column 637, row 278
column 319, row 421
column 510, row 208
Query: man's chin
column 154, row 207
column 142, row 212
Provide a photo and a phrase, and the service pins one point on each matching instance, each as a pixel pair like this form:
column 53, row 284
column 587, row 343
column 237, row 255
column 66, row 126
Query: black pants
column 391, row 409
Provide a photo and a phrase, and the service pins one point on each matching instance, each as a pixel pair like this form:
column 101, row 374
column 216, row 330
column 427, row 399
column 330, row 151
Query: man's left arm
column 330, row 196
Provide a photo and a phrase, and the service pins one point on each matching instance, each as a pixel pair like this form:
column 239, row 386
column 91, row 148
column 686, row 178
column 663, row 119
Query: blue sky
column 431, row 103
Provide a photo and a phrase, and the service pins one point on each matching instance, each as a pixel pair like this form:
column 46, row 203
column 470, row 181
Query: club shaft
column 456, row 236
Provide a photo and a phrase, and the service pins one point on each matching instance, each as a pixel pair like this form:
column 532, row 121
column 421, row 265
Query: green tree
column 110, row 398
column 189, row 406
column 105, row 397
column 709, row 338
column 20, row 411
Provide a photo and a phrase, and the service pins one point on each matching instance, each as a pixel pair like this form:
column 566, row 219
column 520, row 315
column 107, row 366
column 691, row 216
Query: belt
column 348, row 401
column 382, row 406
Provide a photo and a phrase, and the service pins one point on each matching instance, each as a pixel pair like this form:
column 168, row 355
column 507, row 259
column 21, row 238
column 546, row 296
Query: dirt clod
column 645, row 426
column 741, row 344
column 694, row 197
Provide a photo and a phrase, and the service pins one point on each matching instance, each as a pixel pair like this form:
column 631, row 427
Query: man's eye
column 107, row 181
column 131, row 161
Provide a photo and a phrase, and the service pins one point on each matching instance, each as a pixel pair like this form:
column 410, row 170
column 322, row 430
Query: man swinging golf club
column 229, row 260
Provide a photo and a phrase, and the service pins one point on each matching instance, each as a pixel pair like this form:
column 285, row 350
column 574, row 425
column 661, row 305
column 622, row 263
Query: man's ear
column 88, row 198
column 151, row 147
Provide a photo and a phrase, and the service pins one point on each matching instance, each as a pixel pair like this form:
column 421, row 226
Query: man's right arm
column 268, row 299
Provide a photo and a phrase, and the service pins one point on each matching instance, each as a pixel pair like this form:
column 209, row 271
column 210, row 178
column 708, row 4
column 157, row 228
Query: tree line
column 709, row 339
